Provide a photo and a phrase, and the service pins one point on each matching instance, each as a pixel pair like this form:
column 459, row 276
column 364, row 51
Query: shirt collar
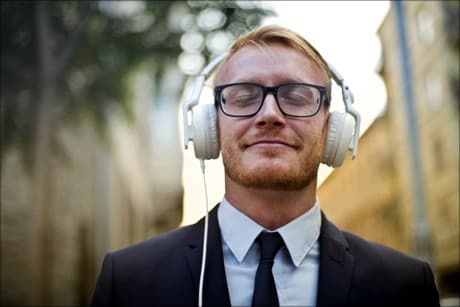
column 299, row 235
column 239, row 239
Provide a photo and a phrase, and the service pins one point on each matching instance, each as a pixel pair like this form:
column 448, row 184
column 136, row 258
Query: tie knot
column 270, row 243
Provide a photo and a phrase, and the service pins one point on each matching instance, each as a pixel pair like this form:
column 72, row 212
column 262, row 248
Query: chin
column 283, row 171
column 273, row 175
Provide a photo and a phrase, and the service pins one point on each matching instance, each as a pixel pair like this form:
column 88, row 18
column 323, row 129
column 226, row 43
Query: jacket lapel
column 335, row 268
column 215, row 292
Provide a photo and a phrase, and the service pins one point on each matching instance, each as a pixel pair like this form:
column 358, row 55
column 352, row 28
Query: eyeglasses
column 246, row 99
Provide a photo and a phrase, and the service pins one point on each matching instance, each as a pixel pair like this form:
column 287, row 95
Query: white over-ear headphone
column 342, row 135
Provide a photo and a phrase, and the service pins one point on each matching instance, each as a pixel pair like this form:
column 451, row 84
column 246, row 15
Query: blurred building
column 102, row 194
column 372, row 196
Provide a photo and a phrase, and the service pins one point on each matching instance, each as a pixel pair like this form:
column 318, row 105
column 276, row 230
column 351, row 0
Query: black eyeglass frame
column 265, row 90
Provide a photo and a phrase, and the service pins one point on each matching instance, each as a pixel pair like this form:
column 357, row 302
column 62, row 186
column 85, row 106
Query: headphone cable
column 205, row 238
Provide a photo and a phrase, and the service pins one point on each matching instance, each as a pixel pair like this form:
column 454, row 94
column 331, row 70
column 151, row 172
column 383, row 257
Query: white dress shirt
column 296, row 265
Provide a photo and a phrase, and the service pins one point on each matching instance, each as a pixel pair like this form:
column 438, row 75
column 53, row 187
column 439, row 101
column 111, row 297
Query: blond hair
column 277, row 34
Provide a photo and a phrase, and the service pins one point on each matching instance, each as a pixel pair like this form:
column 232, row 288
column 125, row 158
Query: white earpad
column 205, row 135
column 339, row 134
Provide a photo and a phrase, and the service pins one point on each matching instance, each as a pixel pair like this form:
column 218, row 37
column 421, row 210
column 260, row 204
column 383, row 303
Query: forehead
column 270, row 65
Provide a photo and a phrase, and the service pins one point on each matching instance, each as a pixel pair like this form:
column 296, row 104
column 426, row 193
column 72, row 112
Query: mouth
column 269, row 144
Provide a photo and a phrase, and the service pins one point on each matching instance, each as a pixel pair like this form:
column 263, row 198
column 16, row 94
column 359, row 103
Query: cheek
column 222, row 128
column 227, row 137
column 230, row 130
column 311, row 132
column 321, row 125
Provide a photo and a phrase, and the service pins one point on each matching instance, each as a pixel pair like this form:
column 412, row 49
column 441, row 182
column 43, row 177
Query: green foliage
column 95, row 45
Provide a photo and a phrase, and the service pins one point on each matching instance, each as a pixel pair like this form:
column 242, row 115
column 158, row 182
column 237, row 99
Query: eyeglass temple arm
column 348, row 99
column 194, row 97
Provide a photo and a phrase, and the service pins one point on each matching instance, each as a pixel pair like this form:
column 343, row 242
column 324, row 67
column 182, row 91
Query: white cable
column 205, row 239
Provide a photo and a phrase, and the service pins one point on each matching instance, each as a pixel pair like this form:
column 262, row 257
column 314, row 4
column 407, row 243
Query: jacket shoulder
column 381, row 269
column 149, row 271
column 157, row 246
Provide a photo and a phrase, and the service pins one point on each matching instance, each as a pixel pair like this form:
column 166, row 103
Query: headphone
column 342, row 131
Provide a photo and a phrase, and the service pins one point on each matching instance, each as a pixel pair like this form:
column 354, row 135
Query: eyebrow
column 278, row 81
column 258, row 80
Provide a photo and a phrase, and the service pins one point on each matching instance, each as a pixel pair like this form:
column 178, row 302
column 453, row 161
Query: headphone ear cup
column 339, row 134
column 205, row 135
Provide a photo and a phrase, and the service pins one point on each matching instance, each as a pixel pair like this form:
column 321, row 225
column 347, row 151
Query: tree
column 61, row 59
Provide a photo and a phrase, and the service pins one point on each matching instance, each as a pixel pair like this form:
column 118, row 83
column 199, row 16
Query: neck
column 270, row 208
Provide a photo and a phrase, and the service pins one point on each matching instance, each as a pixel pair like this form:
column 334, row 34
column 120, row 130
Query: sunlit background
column 92, row 158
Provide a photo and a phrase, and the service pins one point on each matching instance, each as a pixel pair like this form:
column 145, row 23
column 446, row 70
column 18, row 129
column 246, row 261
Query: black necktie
column 265, row 289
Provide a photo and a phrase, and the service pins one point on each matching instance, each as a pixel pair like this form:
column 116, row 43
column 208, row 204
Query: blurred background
column 92, row 158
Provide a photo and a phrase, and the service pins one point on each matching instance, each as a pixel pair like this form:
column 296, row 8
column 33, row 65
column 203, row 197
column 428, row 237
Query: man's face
column 271, row 150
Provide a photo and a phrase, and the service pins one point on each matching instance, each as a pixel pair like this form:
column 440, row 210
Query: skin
column 271, row 160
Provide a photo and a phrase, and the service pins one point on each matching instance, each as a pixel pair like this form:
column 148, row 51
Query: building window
column 433, row 90
column 439, row 158
column 425, row 27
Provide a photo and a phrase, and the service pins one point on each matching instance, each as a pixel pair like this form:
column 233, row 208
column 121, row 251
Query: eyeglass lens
column 293, row 99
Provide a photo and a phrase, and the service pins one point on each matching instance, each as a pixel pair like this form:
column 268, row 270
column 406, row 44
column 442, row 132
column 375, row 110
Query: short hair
column 278, row 34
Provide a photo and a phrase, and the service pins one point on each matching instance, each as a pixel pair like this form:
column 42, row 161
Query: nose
column 270, row 114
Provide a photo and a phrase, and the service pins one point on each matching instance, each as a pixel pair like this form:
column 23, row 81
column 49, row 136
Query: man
column 272, row 100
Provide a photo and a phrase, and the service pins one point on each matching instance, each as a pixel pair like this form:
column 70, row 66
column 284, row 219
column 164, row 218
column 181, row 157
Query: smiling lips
column 269, row 143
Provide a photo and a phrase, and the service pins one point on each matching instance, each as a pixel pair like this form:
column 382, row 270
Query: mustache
column 249, row 140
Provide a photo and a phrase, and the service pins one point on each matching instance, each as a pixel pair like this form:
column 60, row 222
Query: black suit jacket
column 164, row 271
